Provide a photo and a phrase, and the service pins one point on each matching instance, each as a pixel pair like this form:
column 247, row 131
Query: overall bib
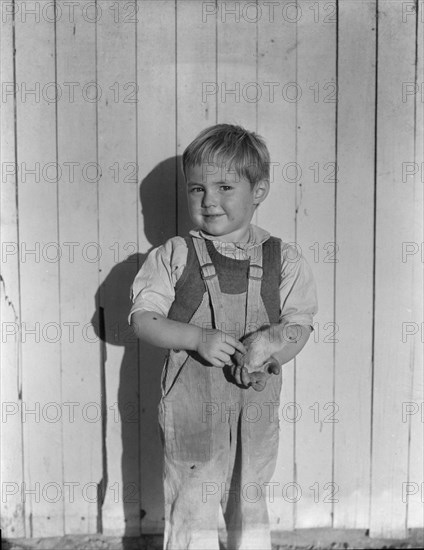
column 220, row 440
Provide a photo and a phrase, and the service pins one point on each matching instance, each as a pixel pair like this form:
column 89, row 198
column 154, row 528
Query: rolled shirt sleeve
column 153, row 288
column 298, row 295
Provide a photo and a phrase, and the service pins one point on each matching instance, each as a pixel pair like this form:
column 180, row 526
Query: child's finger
column 259, row 385
column 274, row 368
column 224, row 357
column 235, row 344
column 245, row 377
column 259, row 380
column 239, row 346
column 236, row 374
column 227, row 348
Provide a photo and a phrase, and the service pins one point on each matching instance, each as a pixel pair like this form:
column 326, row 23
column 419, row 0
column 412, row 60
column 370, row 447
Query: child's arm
column 214, row 346
column 269, row 348
column 292, row 339
column 277, row 340
column 277, row 344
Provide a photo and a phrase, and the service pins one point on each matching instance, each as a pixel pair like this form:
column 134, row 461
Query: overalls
column 220, row 440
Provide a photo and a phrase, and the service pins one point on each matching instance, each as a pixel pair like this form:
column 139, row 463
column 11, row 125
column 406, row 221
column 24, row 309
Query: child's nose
column 209, row 199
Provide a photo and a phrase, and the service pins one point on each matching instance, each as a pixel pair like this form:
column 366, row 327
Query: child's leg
column 196, row 445
column 246, row 511
column 192, row 500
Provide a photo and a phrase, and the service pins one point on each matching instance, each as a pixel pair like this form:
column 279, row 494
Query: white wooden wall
column 97, row 184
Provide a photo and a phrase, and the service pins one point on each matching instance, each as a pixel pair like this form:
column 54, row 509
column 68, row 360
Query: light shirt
column 153, row 288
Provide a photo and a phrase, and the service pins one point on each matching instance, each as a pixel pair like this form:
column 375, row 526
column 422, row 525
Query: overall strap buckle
column 255, row 272
column 208, row 271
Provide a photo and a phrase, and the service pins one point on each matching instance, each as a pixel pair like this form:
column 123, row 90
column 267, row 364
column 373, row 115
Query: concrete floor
column 305, row 539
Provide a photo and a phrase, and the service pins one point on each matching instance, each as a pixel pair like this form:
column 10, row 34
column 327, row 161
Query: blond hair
column 238, row 149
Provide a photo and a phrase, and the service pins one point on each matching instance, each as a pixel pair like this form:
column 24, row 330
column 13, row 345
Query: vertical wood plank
column 12, row 506
column 65, row 369
column 393, row 278
column 236, row 88
column 277, row 118
column 197, row 88
column 196, row 84
column 40, row 299
column 316, row 109
column 354, row 270
column 157, row 117
column 277, row 124
column 157, row 193
column 118, row 223
column 79, row 276
column 414, row 493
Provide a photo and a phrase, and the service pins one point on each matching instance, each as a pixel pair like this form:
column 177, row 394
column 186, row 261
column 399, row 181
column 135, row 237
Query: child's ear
column 260, row 191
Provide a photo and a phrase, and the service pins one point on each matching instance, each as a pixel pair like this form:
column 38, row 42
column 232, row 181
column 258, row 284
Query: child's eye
column 226, row 187
column 195, row 189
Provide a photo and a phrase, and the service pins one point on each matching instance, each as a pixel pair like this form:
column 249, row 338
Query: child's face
column 221, row 203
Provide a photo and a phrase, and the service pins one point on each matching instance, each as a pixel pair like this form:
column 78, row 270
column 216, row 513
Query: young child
column 199, row 297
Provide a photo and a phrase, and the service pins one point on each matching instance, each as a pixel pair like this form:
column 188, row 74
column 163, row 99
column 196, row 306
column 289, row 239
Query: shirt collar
column 257, row 236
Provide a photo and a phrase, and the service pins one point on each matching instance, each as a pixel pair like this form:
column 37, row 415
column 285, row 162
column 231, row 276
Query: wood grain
column 118, row 240
column 354, row 302
column 315, row 219
column 12, row 506
column 393, row 360
column 39, row 274
column 277, row 125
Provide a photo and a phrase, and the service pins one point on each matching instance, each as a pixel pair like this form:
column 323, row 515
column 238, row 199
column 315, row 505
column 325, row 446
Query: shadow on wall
column 141, row 367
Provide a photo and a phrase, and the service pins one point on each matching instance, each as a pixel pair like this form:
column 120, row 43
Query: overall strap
column 253, row 289
column 210, row 278
column 208, row 273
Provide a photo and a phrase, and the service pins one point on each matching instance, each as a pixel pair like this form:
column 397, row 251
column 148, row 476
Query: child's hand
column 217, row 347
column 259, row 350
column 255, row 367
column 258, row 378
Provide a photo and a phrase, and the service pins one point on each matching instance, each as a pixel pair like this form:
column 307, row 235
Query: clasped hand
column 250, row 360
column 255, row 366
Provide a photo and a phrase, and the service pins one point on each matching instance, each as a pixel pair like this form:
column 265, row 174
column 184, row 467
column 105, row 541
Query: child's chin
column 212, row 230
